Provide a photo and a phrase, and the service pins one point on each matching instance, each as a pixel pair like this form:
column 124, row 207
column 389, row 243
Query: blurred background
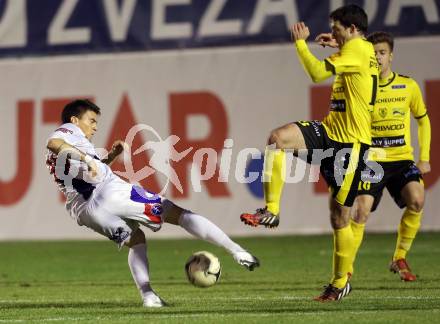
column 204, row 70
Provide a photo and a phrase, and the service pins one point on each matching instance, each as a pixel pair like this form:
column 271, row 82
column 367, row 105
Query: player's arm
column 424, row 136
column 57, row 145
column 316, row 69
column 347, row 60
column 117, row 148
column 420, row 113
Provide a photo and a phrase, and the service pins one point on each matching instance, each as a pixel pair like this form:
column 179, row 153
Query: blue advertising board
column 47, row 27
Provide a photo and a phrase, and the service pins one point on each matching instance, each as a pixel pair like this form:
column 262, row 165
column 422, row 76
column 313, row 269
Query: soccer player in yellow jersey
column 399, row 97
column 345, row 134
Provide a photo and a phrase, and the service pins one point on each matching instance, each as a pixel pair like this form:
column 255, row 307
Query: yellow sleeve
column 417, row 106
column 424, row 134
column 418, row 109
column 315, row 68
column 348, row 59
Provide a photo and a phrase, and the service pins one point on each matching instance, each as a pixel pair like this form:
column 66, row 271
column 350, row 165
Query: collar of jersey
column 76, row 128
column 389, row 81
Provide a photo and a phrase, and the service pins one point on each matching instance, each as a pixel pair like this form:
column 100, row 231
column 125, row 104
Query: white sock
column 204, row 229
column 138, row 263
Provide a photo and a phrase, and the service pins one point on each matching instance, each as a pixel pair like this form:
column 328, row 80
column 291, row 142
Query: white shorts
column 116, row 209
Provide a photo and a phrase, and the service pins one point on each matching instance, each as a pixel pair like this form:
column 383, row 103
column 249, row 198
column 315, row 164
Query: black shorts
column 340, row 163
column 395, row 176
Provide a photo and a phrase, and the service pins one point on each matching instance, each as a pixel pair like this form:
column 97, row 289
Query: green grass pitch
column 89, row 282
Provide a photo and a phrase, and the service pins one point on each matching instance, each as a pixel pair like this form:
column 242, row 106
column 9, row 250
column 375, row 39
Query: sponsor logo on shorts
column 153, row 213
column 316, row 128
column 156, row 209
column 413, row 170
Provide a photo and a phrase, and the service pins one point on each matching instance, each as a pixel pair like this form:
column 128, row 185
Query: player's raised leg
column 286, row 137
column 204, row 229
column 413, row 195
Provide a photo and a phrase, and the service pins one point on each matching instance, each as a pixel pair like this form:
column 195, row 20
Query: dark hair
column 381, row 37
column 351, row 15
column 77, row 108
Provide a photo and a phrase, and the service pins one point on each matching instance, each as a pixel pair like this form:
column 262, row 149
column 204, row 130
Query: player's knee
column 416, row 203
column 361, row 214
column 338, row 222
column 274, row 138
column 171, row 212
column 137, row 237
column 360, row 218
column 339, row 217
column 283, row 136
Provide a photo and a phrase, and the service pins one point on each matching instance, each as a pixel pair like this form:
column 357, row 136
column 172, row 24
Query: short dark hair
column 381, row 37
column 351, row 15
column 77, row 108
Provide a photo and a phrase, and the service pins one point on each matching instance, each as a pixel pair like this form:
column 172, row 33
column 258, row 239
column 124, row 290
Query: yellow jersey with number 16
column 354, row 92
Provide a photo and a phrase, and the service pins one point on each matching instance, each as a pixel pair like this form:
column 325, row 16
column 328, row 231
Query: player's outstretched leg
column 204, row 229
column 138, row 263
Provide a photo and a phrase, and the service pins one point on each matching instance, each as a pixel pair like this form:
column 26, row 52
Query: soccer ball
column 203, row 269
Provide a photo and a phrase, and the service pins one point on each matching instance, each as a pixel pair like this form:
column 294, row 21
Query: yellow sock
column 408, row 228
column 274, row 175
column 342, row 255
column 358, row 234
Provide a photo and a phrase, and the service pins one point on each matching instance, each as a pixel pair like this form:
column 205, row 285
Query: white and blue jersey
column 106, row 203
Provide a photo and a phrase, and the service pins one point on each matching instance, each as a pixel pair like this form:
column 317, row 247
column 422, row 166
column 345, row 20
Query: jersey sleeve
column 424, row 135
column 61, row 133
column 418, row 110
column 347, row 60
column 417, row 106
column 316, row 69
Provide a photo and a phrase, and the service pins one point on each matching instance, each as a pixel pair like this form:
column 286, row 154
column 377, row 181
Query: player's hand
column 424, row 167
column 299, row 31
column 326, row 39
column 93, row 168
column 118, row 147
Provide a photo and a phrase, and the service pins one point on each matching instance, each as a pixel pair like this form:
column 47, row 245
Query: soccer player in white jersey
column 99, row 199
